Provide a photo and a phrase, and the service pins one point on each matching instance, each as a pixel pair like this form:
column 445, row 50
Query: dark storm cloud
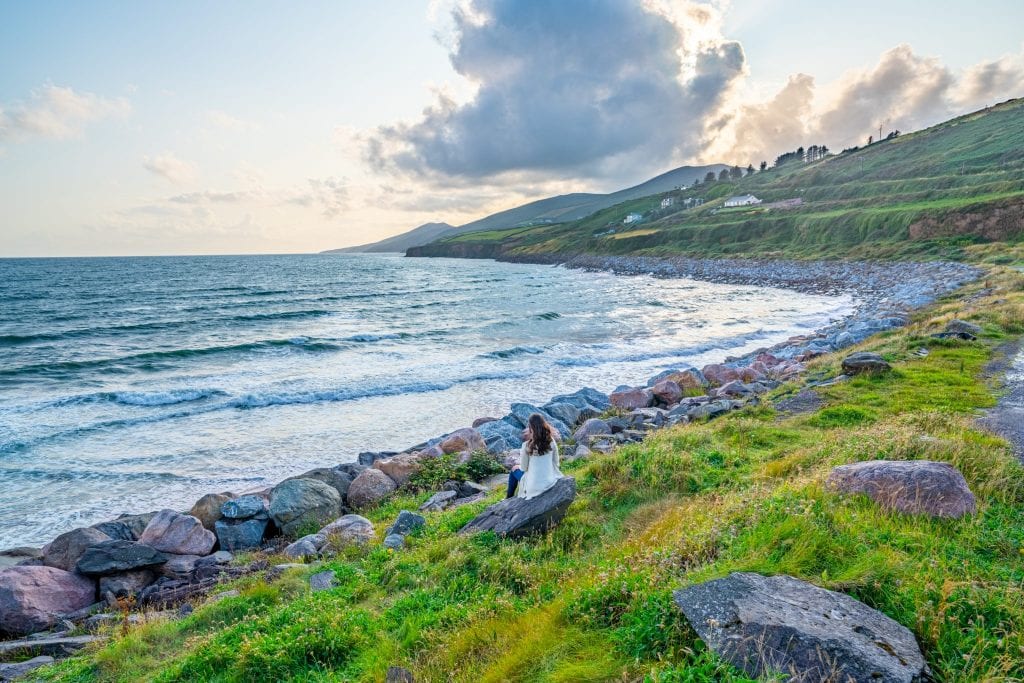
column 563, row 86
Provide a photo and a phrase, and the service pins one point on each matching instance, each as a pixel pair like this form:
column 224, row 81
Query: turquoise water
column 131, row 384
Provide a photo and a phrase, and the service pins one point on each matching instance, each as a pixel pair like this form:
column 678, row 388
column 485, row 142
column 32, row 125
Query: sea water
column 134, row 384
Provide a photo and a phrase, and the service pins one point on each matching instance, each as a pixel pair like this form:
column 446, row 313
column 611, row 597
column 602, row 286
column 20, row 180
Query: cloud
column 575, row 86
column 170, row 168
column 330, row 193
column 57, row 112
column 228, row 122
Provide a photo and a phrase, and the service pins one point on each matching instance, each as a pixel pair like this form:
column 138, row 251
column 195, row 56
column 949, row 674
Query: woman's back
column 540, row 472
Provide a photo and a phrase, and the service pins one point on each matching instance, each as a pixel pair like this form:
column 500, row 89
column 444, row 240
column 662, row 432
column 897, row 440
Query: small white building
column 667, row 202
column 742, row 200
column 692, row 202
column 631, row 218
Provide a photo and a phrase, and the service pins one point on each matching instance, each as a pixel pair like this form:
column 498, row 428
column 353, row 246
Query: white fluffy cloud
column 57, row 112
column 171, row 168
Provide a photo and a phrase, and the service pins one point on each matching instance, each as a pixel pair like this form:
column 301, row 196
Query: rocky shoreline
column 164, row 557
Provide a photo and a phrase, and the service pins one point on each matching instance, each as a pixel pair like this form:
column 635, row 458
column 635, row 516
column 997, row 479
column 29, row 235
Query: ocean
column 133, row 384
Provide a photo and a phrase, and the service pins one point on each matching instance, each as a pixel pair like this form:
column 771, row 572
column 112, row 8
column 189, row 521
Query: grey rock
column 10, row 672
column 394, row 541
column 173, row 532
column 369, row 487
column 349, row 529
column 582, row 452
column 322, row 581
column 667, row 392
column 126, row 527
column 406, row 522
column 241, row 534
column 179, row 567
column 64, row 551
column 244, row 507
column 566, row 412
column 464, row 489
column 591, row 427
column 911, row 486
column 709, row 411
column 500, row 436
column 439, row 501
column 964, row 328
column 53, row 645
column 34, row 598
column 398, row 674
column 764, row 624
column 339, row 478
column 114, row 556
column 864, row 363
column 307, row 546
column 518, row 517
column 631, row 398
column 208, row 508
column 126, row 584
column 20, row 555
column 521, row 412
column 369, row 457
column 296, row 503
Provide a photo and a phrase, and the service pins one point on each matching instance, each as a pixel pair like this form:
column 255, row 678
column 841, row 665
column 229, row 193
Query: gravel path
column 1007, row 418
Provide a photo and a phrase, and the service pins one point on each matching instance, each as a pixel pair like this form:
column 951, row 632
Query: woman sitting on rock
column 537, row 470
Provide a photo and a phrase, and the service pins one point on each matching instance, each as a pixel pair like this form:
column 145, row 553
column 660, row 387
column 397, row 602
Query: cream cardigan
column 540, row 472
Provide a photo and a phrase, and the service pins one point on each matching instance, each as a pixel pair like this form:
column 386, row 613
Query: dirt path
column 1007, row 418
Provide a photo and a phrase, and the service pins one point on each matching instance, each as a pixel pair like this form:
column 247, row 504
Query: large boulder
column 764, row 625
column 349, row 529
column 864, row 363
column 295, row 503
column 20, row 555
column 33, row 598
column 565, row 412
column 126, row 527
column 370, row 487
column 911, row 486
column 667, row 392
column 717, row 374
column 591, row 427
column 400, row 467
column 64, row 551
column 585, row 397
column 244, row 507
column 520, row 416
column 339, row 478
column 461, row 440
column 631, row 398
column 963, row 329
column 208, row 508
column 500, row 436
column 307, row 546
column 241, row 534
column 113, row 556
column 689, row 380
column 517, row 517
column 173, row 532
column 126, row 584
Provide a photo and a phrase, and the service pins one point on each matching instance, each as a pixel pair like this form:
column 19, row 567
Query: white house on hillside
column 667, row 202
column 631, row 218
column 742, row 200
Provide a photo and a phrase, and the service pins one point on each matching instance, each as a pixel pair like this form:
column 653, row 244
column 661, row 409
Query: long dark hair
column 539, row 435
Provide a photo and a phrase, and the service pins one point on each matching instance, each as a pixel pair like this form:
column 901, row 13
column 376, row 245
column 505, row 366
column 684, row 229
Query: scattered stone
column 322, row 581
column 244, row 507
column 764, row 625
column 689, row 380
column 966, row 330
column 370, row 457
column 591, row 427
column 667, row 392
column 10, row 672
column 224, row 595
column 517, row 517
column 631, row 398
column 735, row 389
column 804, row 401
column 111, row 557
column 370, row 487
column 173, row 532
column 582, row 452
column 34, row 598
column 464, row 489
column 208, row 508
column 717, row 374
column 126, row 527
column 64, row 551
column 466, row 439
column 709, row 411
column 394, row 541
column 307, row 546
column 126, row 584
column 864, row 363
column 401, row 468
column 912, row 486
column 500, row 436
column 20, row 555
column 349, row 529
column 566, row 412
column 56, row 646
column 397, row 674
column 179, row 567
column 406, row 522
column 241, row 534
column 439, row 501
column 297, row 503
column 339, row 478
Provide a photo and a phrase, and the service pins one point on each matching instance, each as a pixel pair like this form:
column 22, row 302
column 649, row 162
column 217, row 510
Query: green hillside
column 942, row 192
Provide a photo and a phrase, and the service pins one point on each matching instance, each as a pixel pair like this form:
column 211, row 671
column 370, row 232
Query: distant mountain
column 424, row 234
column 559, row 209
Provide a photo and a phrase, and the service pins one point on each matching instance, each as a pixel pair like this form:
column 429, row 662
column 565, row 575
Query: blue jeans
column 513, row 481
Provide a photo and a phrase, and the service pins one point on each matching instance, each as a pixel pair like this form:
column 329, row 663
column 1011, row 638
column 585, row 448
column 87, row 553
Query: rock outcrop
column 781, row 624
column 33, row 598
column 518, row 517
column 112, row 556
column 64, row 551
column 864, row 363
column 402, row 467
column 173, row 532
column 369, row 487
column 296, row 503
column 912, row 486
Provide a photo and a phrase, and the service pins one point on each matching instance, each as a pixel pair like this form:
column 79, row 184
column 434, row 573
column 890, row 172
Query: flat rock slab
column 864, row 363
column 518, row 517
column 771, row 624
column 911, row 486
column 10, row 672
column 56, row 647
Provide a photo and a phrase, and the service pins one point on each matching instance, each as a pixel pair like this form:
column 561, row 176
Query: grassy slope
column 861, row 204
column 591, row 601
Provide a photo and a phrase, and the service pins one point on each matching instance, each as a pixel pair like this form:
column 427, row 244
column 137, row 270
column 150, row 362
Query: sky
column 271, row 127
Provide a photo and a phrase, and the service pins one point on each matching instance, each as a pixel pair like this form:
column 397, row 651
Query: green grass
column 936, row 193
column 591, row 600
